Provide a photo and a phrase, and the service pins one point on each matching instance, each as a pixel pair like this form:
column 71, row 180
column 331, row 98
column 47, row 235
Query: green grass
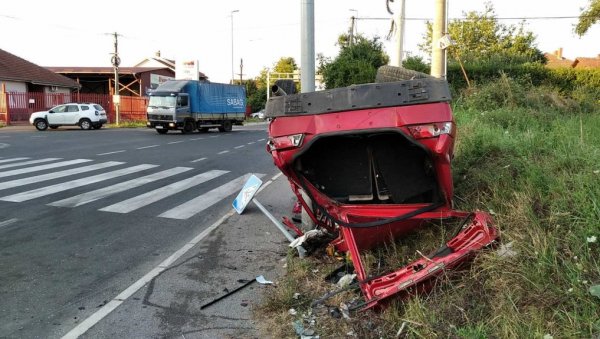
column 538, row 172
column 127, row 124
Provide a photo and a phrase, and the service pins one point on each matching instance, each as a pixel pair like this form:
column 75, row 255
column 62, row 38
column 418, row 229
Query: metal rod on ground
column 288, row 236
column 227, row 294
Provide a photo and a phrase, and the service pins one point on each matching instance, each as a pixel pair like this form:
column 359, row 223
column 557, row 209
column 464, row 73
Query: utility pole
column 352, row 26
column 232, row 74
column 399, row 19
column 438, row 52
column 351, row 33
column 116, row 61
column 307, row 46
column 241, row 69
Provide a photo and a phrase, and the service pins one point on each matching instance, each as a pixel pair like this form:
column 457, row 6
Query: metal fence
column 16, row 107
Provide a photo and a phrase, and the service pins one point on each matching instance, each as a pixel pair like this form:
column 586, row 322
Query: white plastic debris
column 346, row 280
column 506, row 250
column 310, row 234
column 345, row 310
column 261, row 280
column 292, row 311
column 592, row 239
column 296, row 296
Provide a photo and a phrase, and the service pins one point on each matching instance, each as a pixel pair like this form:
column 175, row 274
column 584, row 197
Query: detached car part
column 371, row 163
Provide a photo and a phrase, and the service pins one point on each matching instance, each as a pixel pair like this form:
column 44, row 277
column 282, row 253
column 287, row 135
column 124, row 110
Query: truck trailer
column 189, row 105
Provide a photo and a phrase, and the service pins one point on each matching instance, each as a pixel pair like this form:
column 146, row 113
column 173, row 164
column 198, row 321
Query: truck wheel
column 388, row 73
column 188, row 127
column 226, row 127
column 162, row 131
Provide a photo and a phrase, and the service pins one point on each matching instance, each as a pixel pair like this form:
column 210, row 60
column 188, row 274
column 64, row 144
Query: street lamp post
column 232, row 74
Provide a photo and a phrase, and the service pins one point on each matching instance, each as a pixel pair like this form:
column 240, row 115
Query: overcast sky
column 74, row 33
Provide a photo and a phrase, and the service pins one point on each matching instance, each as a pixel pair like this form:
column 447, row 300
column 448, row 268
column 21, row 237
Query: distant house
column 20, row 75
column 556, row 60
column 133, row 81
column 581, row 62
column 158, row 61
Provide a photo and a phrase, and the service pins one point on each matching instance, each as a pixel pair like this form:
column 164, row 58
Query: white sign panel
column 186, row 69
column 157, row 79
column 247, row 193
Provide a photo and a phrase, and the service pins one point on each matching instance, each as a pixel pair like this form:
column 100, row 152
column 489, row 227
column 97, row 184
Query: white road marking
column 196, row 139
column 12, row 159
column 260, row 140
column 148, row 198
column 237, row 147
column 251, row 142
column 30, row 162
column 107, row 153
column 198, row 160
column 95, row 318
column 174, row 142
column 8, row 222
column 206, row 200
column 55, row 175
column 214, row 136
column 42, row 167
column 40, row 192
column 147, row 146
column 4, row 145
column 223, row 152
column 104, row 192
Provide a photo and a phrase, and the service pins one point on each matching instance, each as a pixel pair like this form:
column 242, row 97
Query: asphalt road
column 87, row 213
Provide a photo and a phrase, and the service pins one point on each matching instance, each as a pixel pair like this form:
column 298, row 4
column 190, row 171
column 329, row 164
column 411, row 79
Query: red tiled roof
column 587, row 62
column 556, row 62
column 14, row 68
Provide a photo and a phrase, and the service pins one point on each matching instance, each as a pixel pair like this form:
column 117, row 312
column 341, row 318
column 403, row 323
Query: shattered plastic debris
column 345, row 310
column 296, row 296
column 298, row 327
column 292, row 311
column 261, row 280
column 592, row 239
column 506, row 250
column 308, row 235
column 346, row 280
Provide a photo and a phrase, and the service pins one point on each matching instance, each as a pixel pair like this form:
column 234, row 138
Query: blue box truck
column 189, row 105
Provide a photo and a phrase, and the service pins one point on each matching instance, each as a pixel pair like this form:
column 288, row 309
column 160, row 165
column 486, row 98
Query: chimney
column 158, row 53
column 559, row 53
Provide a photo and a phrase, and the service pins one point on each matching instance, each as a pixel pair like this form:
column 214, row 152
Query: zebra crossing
column 46, row 171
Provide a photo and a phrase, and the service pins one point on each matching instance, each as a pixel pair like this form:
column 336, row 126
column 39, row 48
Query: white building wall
column 12, row 86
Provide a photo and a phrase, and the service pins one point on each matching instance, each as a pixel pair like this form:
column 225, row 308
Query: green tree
column 481, row 36
column 356, row 63
column 588, row 17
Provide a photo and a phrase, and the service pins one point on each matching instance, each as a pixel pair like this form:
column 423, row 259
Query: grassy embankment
column 531, row 157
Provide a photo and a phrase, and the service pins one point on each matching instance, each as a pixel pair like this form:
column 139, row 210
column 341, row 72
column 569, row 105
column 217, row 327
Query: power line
column 497, row 18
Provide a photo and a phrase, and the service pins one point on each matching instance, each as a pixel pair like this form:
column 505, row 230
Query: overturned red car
column 370, row 163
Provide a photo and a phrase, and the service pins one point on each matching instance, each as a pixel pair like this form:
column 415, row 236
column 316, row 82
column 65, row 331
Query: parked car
column 85, row 115
column 259, row 115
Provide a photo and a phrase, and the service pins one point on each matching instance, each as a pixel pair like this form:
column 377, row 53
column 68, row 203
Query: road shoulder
column 241, row 248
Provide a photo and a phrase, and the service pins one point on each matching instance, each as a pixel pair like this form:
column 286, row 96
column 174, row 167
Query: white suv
column 86, row 116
